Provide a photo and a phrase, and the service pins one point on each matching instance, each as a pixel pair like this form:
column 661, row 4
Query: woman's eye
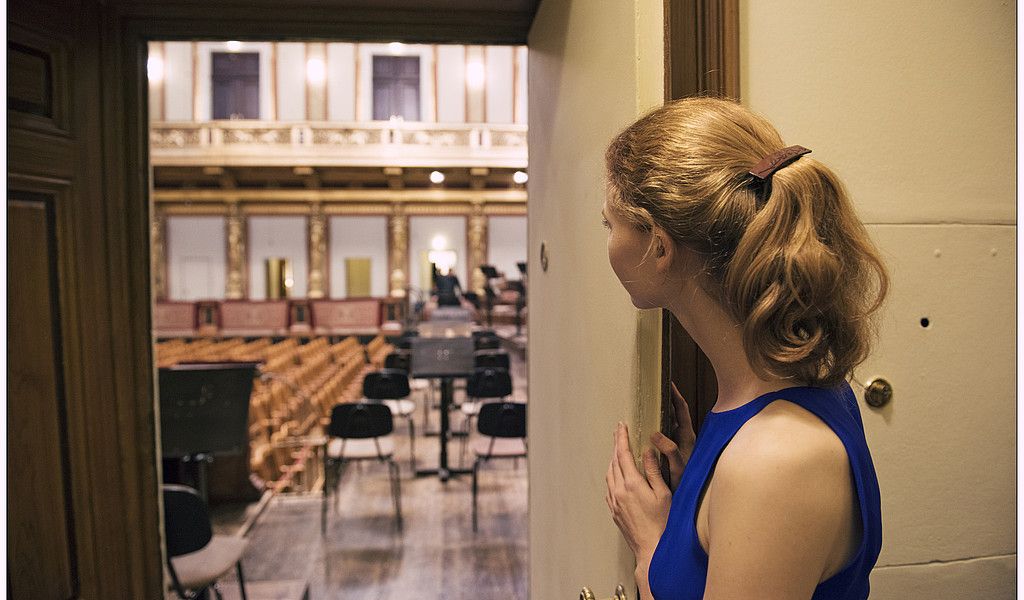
column 606, row 224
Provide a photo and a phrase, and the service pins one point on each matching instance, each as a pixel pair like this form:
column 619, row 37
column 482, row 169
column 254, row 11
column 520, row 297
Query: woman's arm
column 775, row 508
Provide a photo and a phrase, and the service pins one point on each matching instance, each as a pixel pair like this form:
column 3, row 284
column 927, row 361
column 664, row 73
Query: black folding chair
column 486, row 384
column 502, row 426
column 402, row 360
column 359, row 431
column 196, row 558
column 391, row 387
column 487, row 342
column 494, row 359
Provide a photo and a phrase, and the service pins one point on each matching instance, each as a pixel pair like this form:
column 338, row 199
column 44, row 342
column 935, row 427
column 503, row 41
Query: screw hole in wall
column 925, row 322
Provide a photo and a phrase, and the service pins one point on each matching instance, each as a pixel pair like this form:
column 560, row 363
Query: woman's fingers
column 653, row 472
column 669, row 448
column 626, row 467
column 682, row 410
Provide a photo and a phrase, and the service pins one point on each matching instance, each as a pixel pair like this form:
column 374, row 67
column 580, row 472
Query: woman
column 757, row 251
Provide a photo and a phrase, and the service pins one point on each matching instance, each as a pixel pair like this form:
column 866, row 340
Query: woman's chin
column 641, row 303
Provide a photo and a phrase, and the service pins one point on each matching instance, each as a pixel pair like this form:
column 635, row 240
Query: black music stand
column 443, row 358
column 204, row 409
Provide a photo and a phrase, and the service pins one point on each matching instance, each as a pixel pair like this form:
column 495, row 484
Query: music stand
column 204, row 409
column 443, row 358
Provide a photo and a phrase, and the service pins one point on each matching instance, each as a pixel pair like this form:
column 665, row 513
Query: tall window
column 396, row 87
column 236, row 85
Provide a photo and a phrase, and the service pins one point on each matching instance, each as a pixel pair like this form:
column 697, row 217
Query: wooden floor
column 436, row 556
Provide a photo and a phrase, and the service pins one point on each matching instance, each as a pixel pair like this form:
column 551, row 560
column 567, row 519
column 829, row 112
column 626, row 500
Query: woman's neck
column 720, row 338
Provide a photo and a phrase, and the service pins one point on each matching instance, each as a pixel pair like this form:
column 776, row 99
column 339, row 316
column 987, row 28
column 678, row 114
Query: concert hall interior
column 327, row 214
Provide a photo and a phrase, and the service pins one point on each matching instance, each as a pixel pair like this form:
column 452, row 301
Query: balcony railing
column 385, row 143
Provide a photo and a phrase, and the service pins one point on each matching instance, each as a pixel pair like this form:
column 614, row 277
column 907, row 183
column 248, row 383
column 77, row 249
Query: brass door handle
column 620, row 594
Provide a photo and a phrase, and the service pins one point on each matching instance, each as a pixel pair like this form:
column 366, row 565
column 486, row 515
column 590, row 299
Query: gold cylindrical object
column 279, row 278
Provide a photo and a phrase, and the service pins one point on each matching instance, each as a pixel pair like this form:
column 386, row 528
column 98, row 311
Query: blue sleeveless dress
column 679, row 567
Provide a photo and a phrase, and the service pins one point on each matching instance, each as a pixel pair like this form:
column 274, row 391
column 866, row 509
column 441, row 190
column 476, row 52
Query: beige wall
column 593, row 359
column 913, row 104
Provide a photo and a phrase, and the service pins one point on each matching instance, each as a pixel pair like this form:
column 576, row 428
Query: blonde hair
column 788, row 259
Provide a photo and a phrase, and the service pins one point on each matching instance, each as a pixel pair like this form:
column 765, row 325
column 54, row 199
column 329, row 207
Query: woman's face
column 633, row 259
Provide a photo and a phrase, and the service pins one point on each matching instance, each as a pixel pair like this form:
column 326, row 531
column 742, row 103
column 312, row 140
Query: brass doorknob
column 878, row 392
column 620, row 594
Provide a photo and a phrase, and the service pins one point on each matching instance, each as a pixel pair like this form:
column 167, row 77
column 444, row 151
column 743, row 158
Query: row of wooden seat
column 292, row 399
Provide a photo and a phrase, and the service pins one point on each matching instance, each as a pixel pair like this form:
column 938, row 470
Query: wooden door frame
column 702, row 48
column 126, row 26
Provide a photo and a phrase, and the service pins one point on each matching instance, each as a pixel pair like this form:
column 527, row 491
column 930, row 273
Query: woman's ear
column 664, row 249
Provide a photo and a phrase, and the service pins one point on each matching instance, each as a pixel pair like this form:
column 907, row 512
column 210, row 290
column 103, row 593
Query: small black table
column 445, row 358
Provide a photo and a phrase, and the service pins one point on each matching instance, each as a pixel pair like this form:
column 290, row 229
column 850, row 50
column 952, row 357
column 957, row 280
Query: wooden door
column 701, row 56
column 82, row 497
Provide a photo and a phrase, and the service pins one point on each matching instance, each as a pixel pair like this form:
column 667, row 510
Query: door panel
column 41, row 532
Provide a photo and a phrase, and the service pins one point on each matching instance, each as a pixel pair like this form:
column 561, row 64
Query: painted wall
column 177, row 81
column 913, row 104
column 593, row 358
column 341, row 82
column 291, row 81
column 359, row 237
column 277, row 237
column 499, row 65
column 506, row 244
column 422, row 231
column 196, row 258
column 451, row 84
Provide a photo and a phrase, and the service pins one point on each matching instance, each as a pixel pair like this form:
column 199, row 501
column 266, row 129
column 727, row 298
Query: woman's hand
column 678, row 449
column 639, row 503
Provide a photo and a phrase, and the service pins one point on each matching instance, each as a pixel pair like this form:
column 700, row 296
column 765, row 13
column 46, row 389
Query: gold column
column 236, row 225
column 317, row 252
column 398, row 250
column 477, row 238
column 157, row 240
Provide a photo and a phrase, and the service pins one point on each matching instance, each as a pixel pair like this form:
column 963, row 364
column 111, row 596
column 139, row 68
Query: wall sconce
column 316, row 71
column 475, row 75
column 155, row 68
